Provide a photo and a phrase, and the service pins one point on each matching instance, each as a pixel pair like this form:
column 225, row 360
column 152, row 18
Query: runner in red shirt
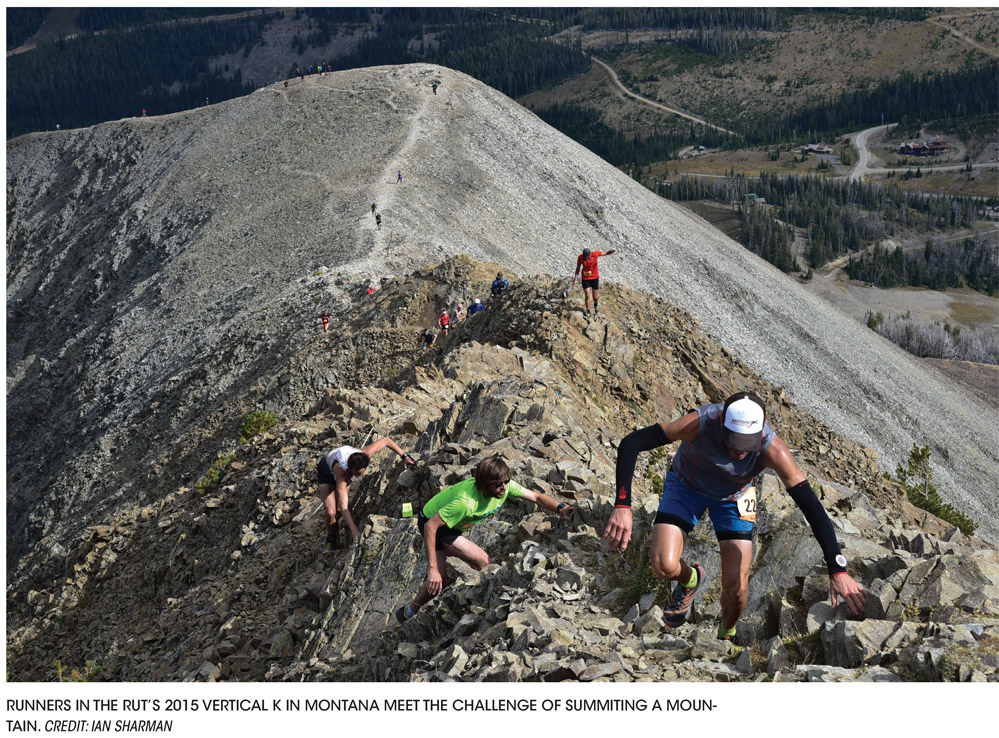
column 444, row 321
column 587, row 262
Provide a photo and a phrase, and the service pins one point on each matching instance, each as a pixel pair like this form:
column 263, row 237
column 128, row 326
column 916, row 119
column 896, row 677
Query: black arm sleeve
column 645, row 439
column 804, row 497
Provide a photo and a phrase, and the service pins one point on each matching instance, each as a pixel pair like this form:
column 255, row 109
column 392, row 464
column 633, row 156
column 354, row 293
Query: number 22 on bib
column 747, row 505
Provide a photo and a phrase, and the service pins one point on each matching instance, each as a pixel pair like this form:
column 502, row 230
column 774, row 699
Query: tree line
column 116, row 74
column 907, row 99
column 585, row 126
column 763, row 19
column 840, row 217
column 166, row 67
column 103, row 19
column 514, row 57
column 969, row 263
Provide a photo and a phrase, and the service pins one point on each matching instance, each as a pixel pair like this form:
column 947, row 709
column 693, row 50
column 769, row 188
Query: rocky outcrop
column 229, row 583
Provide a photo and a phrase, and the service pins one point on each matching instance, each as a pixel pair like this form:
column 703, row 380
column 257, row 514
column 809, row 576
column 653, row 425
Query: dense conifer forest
column 22, row 24
column 117, row 74
column 840, row 217
column 585, row 126
column 907, row 99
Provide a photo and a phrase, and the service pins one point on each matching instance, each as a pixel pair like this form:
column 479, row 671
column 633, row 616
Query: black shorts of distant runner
column 591, row 284
column 324, row 473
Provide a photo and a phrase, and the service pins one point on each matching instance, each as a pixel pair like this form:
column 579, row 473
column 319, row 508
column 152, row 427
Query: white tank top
column 340, row 456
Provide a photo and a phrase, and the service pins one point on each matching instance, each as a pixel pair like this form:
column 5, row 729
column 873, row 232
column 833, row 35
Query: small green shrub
column 256, row 423
column 806, row 649
column 210, row 481
column 75, row 675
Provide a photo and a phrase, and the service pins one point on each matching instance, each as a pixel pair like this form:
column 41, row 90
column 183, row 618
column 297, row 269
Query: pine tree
column 917, row 479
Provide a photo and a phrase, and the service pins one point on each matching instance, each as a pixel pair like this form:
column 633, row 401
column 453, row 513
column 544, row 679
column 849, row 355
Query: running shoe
column 733, row 639
column 678, row 605
column 586, row 314
column 400, row 614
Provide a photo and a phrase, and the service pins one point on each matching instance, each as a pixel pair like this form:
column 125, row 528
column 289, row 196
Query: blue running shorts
column 683, row 506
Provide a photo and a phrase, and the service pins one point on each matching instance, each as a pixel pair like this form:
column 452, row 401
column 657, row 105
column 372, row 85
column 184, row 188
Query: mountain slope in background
column 162, row 272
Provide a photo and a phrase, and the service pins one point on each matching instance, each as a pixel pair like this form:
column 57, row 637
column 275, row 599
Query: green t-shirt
column 462, row 505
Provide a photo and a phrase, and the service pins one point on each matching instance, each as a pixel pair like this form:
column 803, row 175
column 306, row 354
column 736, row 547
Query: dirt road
column 958, row 35
column 652, row 103
column 864, row 159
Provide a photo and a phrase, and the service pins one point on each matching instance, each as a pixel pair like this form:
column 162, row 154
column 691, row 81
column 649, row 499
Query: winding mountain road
column 675, row 111
column 864, row 159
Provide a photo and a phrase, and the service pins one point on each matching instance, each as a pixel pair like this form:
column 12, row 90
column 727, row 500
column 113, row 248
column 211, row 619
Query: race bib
column 747, row 505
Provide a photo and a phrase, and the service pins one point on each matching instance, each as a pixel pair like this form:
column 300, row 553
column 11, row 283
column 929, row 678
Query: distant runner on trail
column 444, row 321
column 325, row 318
column 587, row 263
column 335, row 472
column 399, row 178
column 434, row 86
column 456, row 509
column 724, row 447
column 499, row 284
column 475, row 307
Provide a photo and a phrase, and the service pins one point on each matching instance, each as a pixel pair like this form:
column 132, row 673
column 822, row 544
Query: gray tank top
column 706, row 466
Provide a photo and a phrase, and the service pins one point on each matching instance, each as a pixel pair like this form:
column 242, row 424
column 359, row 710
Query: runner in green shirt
column 456, row 509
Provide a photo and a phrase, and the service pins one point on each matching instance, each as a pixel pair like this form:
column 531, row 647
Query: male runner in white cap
column 724, row 447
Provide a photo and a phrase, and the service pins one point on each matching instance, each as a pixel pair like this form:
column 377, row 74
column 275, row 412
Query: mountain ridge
column 232, row 223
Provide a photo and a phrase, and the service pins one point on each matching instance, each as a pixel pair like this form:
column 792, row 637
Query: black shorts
column 591, row 284
column 445, row 535
column 324, row 473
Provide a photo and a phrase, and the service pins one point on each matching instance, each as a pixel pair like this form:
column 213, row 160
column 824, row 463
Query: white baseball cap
column 744, row 418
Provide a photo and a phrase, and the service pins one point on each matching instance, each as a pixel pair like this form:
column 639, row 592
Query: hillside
column 736, row 77
column 165, row 275
column 231, row 223
column 226, row 583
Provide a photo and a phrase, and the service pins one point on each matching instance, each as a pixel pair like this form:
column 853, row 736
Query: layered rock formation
column 231, row 584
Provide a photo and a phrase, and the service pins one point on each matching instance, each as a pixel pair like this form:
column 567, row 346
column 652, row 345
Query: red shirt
column 444, row 320
column 589, row 266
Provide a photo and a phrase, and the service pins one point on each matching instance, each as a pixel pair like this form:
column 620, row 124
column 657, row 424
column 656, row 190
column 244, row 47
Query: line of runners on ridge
column 723, row 448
